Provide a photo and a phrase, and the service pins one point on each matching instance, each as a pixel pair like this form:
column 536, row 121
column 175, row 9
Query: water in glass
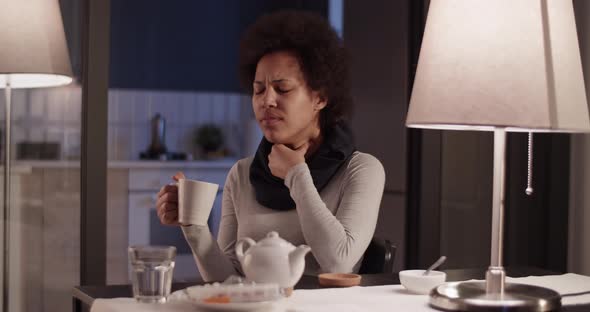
column 151, row 272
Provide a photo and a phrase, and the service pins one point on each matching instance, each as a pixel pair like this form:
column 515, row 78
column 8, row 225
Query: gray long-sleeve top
column 338, row 223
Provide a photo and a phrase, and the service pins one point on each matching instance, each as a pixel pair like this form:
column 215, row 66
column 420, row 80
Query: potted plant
column 209, row 138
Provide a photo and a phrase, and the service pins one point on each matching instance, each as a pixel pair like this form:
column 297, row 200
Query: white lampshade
column 500, row 63
column 33, row 50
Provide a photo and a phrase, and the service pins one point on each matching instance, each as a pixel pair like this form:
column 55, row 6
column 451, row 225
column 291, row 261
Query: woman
column 306, row 181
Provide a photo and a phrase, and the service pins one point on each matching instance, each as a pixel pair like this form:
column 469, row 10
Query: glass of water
column 151, row 272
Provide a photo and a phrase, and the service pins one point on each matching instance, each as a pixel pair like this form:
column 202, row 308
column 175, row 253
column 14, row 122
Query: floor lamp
column 33, row 54
column 501, row 66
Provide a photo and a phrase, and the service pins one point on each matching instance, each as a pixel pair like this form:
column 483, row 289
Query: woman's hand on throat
column 282, row 158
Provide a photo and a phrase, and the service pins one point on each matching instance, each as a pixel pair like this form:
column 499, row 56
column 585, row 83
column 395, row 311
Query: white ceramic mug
column 195, row 200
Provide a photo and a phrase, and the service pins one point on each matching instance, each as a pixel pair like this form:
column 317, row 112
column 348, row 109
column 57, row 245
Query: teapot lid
column 273, row 239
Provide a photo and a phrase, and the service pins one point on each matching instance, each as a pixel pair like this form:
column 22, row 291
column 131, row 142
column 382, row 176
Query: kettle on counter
column 157, row 148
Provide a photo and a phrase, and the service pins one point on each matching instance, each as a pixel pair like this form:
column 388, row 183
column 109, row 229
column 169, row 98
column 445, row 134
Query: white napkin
column 567, row 285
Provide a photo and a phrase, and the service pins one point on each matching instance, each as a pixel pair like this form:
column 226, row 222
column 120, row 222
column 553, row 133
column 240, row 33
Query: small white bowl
column 415, row 282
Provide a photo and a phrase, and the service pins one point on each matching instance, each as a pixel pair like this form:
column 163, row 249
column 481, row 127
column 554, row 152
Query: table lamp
column 501, row 66
column 33, row 54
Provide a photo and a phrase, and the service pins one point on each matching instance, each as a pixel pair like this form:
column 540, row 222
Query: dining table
column 84, row 296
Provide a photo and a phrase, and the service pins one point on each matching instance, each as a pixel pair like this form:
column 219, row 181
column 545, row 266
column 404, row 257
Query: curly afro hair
column 320, row 52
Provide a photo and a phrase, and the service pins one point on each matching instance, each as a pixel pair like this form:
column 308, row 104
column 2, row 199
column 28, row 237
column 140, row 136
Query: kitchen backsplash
column 130, row 112
column 53, row 115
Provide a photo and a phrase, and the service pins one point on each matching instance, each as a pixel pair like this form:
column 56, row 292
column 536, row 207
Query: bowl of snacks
column 231, row 297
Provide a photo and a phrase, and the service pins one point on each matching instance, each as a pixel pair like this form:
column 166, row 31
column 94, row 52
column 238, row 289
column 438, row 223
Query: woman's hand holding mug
column 167, row 203
column 186, row 202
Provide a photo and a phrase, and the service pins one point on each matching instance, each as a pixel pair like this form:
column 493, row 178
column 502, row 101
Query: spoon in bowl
column 435, row 265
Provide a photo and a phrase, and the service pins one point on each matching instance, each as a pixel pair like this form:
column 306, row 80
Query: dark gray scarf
column 271, row 192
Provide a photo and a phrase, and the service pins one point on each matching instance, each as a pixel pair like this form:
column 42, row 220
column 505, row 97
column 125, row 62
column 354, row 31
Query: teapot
column 272, row 260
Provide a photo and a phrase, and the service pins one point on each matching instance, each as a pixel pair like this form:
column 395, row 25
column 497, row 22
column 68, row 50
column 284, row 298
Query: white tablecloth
column 366, row 299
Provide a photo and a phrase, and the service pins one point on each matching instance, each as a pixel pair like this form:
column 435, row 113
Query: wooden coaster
column 339, row 279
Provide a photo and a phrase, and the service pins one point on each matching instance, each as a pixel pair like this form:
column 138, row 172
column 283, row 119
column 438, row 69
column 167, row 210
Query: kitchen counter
column 17, row 168
column 193, row 164
column 132, row 164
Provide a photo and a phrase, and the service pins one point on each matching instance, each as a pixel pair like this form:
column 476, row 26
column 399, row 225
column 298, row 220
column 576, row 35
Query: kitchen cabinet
column 45, row 239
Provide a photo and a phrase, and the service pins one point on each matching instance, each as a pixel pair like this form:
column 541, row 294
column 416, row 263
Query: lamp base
column 472, row 296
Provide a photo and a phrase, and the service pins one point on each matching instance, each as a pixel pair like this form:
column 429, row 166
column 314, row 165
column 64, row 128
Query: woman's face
column 286, row 109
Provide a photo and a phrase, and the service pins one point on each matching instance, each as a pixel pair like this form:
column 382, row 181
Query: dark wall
column 184, row 44
column 536, row 226
column 379, row 68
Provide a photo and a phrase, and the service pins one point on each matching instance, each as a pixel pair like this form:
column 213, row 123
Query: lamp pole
column 6, row 213
column 495, row 276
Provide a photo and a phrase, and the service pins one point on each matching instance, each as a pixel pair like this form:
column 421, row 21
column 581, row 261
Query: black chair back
column 379, row 257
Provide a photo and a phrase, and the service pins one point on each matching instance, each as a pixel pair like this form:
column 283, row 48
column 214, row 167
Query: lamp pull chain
column 529, row 180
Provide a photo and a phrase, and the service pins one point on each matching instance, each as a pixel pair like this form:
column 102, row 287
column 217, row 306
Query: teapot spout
column 297, row 259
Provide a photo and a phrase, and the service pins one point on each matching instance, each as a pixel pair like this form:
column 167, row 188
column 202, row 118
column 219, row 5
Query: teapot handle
column 240, row 246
